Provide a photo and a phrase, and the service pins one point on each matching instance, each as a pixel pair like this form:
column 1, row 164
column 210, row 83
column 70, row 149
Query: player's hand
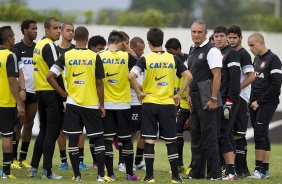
column 176, row 99
column 102, row 111
column 23, row 95
column 211, row 106
column 21, row 109
column 255, row 105
column 227, row 109
column 187, row 125
column 141, row 96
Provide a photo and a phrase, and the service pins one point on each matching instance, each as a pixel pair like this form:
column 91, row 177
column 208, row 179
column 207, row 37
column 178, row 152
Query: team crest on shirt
column 201, row 56
column 262, row 65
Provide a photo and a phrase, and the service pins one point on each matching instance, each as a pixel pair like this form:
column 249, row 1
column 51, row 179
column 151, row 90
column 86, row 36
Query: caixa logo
column 79, row 82
column 162, row 84
column 112, row 81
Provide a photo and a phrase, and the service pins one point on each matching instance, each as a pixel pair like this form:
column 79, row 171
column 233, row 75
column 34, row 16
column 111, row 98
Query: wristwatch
column 23, row 89
column 214, row 99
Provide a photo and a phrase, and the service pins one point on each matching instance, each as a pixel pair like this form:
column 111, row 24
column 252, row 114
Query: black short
column 118, row 122
column 77, row 117
column 165, row 115
column 261, row 118
column 7, row 121
column 241, row 120
column 183, row 115
column 136, row 117
column 30, row 98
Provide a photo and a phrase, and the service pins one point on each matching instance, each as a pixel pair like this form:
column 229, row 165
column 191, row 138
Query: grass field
column 161, row 168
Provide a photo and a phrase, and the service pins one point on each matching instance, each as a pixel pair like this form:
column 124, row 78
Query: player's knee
column 260, row 142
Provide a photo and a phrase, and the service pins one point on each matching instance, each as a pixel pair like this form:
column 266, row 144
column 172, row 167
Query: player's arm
column 99, row 75
column 55, row 71
column 136, row 71
column 186, row 74
column 22, row 85
column 248, row 69
column 214, row 58
column 13, row 72
column 50, row 54
column 233, row 64
column 128, row 49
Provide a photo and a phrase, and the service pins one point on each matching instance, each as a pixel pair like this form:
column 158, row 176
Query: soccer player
column 96, row 44
column 173, row 46
column 50, row 103
column 24, row 52
column 117, row 102
column 158, row 99
column 10, row 101
column 241, row 121
column 66, row 45
column 85, row 99
column 138, row 46
column 205, row 63
column 230, row 91
column 264, row 100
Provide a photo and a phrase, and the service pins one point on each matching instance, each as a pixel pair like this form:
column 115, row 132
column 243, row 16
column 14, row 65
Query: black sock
column 23, row 151
column 258, row 165
column 63, row 156
column 100, row 155
column 264, row 167
column 81, row 154
column 49, row 172
column 180, row 144
column 173, row 159
column 127, row 153
column 245, row 163
column 7, row 160
column 240, row 156
column 139, row 155
column 230, row 169
column 15, row 146
column 92, row 145
column 74, row 154
column 149, row 156
column 120, row 156
column 109, row 157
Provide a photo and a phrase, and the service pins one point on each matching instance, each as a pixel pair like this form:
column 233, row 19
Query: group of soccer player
column 108, row 91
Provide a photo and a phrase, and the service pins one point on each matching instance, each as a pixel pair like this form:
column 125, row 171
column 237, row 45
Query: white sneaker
column 256, row 175
column 140, row 166
column 121, row 167
column 230, row 177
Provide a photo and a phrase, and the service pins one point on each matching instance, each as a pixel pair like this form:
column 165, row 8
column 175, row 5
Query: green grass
column 161, row 168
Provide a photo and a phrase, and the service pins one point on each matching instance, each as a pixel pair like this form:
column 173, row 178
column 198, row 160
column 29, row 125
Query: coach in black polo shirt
column 204, row 62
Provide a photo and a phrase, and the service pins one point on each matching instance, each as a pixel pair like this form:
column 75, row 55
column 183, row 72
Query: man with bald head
column 264, row 100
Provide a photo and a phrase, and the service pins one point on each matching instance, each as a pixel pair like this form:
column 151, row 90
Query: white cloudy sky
column 66, row 5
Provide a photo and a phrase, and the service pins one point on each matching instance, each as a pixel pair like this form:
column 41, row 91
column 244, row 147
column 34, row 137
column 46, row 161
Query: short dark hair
column 173, row 43
column 64, row 25
column 236, row 30
column 135, row 40
column 47, row 23
column 5, row 33
column 81, row 33
column 26, row 23
column 115, row 37
column 220, row 29
column 96, row 40
column 155, row 36
column 124, row 35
